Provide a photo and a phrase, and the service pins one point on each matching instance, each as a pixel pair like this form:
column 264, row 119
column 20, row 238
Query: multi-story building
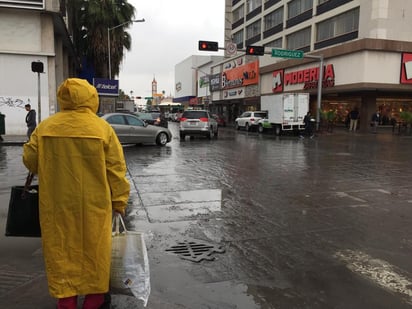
column 32, row 31
column 366, row 46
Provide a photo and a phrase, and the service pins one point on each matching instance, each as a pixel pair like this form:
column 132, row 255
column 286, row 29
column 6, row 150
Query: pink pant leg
column 67, row 303
column 93, row 301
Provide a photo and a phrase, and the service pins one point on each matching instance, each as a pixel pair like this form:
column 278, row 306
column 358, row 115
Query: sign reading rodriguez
column 284, row 53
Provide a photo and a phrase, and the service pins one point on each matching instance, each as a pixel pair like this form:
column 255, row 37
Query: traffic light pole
column 260, row 51
column 320, row 81
column 38, row 97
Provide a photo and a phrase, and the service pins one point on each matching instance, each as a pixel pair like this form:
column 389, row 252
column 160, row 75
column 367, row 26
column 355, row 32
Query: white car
column 249, row 119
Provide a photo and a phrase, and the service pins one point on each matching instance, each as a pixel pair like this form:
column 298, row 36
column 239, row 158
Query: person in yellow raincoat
column 82, row 178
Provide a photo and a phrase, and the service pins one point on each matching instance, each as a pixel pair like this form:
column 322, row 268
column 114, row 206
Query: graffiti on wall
column 14, row 103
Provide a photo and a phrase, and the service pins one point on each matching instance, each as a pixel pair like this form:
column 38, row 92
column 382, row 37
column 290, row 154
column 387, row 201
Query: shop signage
column 308, row 77
column 193, row 101
column 214, row 81
column 406, row 69
column 109, row 87
column 233, row 94
column 277, row 81
column 233, row 64
column 244, row 75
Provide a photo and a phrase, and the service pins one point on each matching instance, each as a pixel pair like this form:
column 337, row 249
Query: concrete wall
column 27, row 36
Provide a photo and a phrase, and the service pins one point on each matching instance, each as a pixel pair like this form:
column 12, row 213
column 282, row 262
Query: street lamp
column 207, row 75
column 108, row 40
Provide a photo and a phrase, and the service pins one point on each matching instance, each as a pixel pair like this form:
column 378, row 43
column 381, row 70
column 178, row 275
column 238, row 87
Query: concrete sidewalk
column 10, row 140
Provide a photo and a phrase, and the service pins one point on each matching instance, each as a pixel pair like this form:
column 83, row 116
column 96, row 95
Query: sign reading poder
column 308, row 77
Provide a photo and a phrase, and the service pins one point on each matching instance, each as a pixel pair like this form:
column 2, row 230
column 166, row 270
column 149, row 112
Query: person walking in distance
column 30, row 120
column 375, row 121
column 309, row 122
column 353, row 116
column 81, row 171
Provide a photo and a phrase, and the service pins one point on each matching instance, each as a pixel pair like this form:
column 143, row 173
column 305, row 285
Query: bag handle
column 27, row 184
column 29, row 179
column 117, row 221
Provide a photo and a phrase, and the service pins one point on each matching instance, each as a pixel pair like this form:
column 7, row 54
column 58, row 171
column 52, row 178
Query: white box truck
column 285, row 112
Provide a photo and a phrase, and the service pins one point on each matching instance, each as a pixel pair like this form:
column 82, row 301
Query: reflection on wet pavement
column 287, row 206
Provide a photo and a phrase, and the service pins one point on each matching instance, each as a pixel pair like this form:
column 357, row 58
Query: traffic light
column 208, row 45
column 37, row 67
column 255, row 50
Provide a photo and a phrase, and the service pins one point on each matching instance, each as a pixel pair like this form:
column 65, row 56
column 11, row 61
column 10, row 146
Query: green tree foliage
column 90, row 21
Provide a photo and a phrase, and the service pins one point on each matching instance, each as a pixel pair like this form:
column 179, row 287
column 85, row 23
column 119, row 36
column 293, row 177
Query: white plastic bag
column 129, row 273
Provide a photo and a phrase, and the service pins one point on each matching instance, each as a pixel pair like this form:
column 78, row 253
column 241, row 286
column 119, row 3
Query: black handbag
column 23, row 215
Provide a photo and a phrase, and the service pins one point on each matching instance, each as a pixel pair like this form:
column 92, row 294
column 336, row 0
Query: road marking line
column 379, row 271
column 344, row 194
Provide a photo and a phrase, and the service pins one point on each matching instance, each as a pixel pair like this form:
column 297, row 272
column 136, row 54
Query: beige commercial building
column 366, row 46
column 32, row 31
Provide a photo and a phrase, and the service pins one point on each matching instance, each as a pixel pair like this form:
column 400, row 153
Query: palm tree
column 90, row 21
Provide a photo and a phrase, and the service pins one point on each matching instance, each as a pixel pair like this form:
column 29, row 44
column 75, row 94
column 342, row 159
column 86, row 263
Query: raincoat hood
column 75, row 93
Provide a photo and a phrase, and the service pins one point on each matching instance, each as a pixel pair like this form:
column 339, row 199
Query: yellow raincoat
column 82, row 178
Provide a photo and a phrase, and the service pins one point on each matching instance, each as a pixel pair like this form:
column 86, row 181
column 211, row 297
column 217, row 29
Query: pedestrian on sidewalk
column 82, row 179
column 30, row 120
column 353, row 116
column 309, row 122
column 375, row 121
column 2, row 126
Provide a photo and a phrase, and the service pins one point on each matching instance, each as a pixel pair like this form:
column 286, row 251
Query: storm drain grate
column 195, row 252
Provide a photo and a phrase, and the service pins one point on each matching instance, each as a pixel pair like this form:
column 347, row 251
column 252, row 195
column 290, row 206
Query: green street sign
column 284, row 53
column 148, row 98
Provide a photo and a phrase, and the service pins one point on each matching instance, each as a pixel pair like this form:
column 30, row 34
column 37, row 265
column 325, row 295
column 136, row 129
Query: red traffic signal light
column 208, row 45
column 255, row 50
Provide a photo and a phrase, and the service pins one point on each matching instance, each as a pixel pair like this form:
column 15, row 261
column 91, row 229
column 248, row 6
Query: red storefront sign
column 244, row 75
column 308, row 77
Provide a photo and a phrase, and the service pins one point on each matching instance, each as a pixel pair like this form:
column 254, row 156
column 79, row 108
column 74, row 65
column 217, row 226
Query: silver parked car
column 132, row 130
column 197, row 122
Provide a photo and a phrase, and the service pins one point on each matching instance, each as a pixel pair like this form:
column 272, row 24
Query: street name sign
column 284, row 53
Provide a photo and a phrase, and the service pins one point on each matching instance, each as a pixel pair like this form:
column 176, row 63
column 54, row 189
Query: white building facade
column 366, row 46
column 32, row 31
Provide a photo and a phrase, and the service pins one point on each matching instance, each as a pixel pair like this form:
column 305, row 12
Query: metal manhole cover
column 195, row 252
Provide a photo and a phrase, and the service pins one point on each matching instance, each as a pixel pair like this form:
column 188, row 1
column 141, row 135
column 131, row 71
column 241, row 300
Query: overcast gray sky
column 169, row 35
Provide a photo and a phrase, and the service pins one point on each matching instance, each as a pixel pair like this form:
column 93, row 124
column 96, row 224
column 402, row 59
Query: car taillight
column 204, row 119
column 183, row 119
column 252, row 119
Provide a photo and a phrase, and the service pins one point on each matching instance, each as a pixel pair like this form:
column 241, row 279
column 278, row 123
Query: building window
column 298, row 40
column 297, row 7
column 275, row 44
column 273, row 19
column 253, row 30
column 338, row 25
column 252, row 5
column 238, row 37
column 238, row 14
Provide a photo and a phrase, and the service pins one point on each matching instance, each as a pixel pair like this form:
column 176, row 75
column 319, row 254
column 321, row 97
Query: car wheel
column 237, row 126
column 247, row 128
column 182, row 137
column 161, row 139
column 261, row 128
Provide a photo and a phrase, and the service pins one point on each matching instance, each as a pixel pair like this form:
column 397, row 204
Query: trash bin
column 2, row 124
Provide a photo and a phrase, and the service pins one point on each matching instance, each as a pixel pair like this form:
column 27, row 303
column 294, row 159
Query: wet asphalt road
column 312, row 223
